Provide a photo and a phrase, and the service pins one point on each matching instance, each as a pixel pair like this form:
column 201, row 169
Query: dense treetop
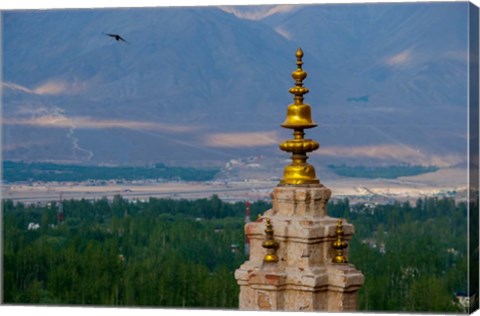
column 183, row 253
column 37, row 171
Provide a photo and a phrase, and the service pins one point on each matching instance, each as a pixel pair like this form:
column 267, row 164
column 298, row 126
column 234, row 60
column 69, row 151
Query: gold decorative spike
column 340, row 244
column 299, row 117
column 270, row 244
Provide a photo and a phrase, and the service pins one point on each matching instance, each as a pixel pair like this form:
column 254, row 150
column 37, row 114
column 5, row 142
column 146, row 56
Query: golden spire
column 339, row 244
column 299, row 117
column 270, row 244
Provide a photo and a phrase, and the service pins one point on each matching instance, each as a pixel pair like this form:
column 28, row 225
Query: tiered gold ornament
column 270, row 244
column 339, row 244
column 299, row 117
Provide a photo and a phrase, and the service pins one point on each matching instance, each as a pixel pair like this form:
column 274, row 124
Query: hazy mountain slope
column 193, row 85
column 182, row 67
column 402, row 69
column 414, row 51
column 195, row 58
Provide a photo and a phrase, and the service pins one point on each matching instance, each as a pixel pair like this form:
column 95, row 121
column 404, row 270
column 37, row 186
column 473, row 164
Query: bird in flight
column 117, row 37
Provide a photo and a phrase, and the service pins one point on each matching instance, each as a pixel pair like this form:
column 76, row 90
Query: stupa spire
column 299, row 117
column 298, row 254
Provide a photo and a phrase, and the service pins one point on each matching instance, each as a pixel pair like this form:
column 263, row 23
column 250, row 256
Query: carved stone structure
column 298, row 253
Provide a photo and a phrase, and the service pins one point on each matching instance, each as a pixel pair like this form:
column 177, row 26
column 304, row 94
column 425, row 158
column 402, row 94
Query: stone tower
column 298, row 254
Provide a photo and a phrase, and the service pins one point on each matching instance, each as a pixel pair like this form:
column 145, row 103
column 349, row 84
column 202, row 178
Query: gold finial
column 270, row 244
column 299, row 117
column 339, row 244
column 299, row 75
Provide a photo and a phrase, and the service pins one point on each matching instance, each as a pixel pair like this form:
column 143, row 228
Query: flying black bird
column 117, row 37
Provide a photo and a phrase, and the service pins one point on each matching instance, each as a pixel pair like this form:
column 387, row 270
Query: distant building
column 33, row 226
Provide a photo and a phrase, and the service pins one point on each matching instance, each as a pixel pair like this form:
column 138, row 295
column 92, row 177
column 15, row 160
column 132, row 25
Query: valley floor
column 445, row 182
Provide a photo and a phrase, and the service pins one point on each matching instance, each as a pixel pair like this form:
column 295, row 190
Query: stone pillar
column 305, row 277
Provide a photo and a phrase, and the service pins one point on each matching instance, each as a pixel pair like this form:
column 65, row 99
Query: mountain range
column 203, row 85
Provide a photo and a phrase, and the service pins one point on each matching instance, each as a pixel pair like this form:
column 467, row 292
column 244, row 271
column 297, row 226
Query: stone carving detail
column 264, row 301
